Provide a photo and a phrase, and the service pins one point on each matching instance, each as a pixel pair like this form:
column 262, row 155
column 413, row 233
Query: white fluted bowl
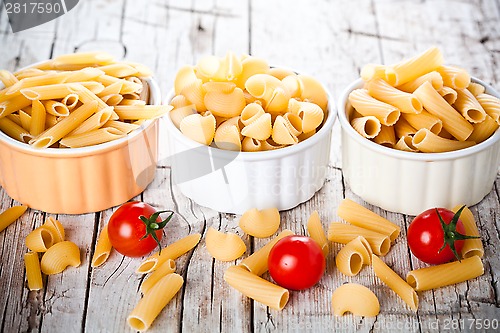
column 410, row 183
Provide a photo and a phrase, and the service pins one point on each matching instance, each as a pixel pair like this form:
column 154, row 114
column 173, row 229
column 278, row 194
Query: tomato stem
column 450, row 233
column 152, row 225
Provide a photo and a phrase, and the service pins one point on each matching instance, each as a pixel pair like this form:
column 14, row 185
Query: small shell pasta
column 225, row 104
column 60, row 256
column 356, row 299
column 176, row 115
column 250, row 144
column 259, row 129
column 353, row 256
column 200, row 128
column 311, row 90
column 228, row 135
column 224, row 247
column 260, row 223
column 251, row 113
column 282, row 133
column 311, row 114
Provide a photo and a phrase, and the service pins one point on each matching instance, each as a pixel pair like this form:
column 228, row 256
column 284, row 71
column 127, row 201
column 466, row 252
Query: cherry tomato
column 436, row 236
column 135, row 229
column 296, row 262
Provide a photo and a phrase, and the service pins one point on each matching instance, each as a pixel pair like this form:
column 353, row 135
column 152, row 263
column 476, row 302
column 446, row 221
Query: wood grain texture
column 326, row 39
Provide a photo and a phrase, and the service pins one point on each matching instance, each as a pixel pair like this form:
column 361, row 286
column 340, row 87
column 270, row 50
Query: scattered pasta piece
column 224, row 247
column 316, row 232
column 356, row 299
column 102, row 248
column 33, row 271
column 260, row 223
column 43, row 237
column 256, row 288
column 353, row 256
column 59, row 256
column 10, row 215
column 344, row 233
column 472, row 246
column 167, row 267
column 150, row 306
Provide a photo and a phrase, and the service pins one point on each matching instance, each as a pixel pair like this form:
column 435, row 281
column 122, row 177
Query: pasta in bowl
column 420, row 167
column 257, row 155
column 67, row 176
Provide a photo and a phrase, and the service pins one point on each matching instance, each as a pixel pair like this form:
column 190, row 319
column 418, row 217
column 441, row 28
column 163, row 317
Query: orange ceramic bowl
column 81, row 180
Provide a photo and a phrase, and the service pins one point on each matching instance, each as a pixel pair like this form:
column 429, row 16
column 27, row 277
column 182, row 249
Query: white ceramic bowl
column 281, row 178
column 81, row 180
column 410, row 183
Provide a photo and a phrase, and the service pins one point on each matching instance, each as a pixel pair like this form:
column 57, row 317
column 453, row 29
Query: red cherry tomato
column 296, row 262
column 135, row 229
column 436, row 236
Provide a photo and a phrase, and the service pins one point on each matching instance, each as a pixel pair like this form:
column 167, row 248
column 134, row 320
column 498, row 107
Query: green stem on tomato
column 450, row 232
column 152, row 225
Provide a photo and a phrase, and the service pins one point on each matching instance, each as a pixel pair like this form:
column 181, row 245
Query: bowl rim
column 326, row 127
column 155, row 96
column 427, row 157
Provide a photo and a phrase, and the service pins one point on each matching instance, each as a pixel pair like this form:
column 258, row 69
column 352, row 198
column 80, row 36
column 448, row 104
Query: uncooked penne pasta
column 256, row 288
column 8, row 79
column 71, row 101
column 424, row 120
column 167, row 267
column 13, row 104
column 453, row 122
column 382, row 91
column 83, row 58
column 433, row 77
column 224, row 246
column 368, row 126
column 344, row 233
column 395, row 282
column 102, row 248
column 33, row 271
column 119, row 70
column 472, row 246
column 256, row 263
column 410, row 69
column 316, row 232
column 428, row 142
column 353, row 256
column 172, row 251
column 356, row 299
column 49, row 92
column 57, row 109
column 14, row 130
column 469, row 107
column 91, row 138
column 10, row 215
column 366, row 105
column 454, row 77
column 360, row 216
column 59, row 256
column 260, row 223
column 121, row 126
column 386, row 137
column 150, row 306
column 95, row 121
column 438, row 276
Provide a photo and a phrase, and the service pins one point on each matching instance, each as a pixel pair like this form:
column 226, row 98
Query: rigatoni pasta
column 33, row 271
column 167, row 267
column 344, row 233
column 353, row 256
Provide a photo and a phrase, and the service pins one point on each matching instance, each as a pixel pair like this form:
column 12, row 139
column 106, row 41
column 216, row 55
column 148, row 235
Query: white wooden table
column 331, row 40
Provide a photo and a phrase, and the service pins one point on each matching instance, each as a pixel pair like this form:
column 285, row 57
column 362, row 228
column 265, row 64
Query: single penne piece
column 344, row 233
column 121, row 126
column 386, row 137
column 134, row 112
column 59, row 256
column 382, row 91
column 224, row 246
column 438, row 276
column 356, row 299
column 33, row 271
column 30, row 72
column 351, row 258
column 256, row 288
column 16, row 118
column 490, row 104
column 87, row 96
column 91, row 138
column 410, row 69
column 97, row 120
column 403, row 128
column 11, row 214
column 50, row 120
column 114, row 88
column 142, row 70
column 476, row 88
column 368, row 126
column 405, row 143
column 126, row 101
column 65, row 126
column 360, row 216
column 260, row 223
column 40, row 80
column 94, row 87
column 483, row 130
column 395, row 282
column 469, row 107
column 366, row 105
column 118, row 70
column 428, row 142
column 83, row 58
column 256, row 263
column 112, row 99
column 449, row 94
column 25, row 120
column 453, row 122
column 49, row 92
column 433, row 77
column 316, row 232
column 128, row 87
column 150, row 306
column 71, row 101
column 167, row 267
column 172, row 251
column 472, row 246
column 424, row 120
column 13, row 104
column 454, row 77
column 102, row 248
column 14, row 130
column 85, row 74
column 55, row 108
column 8, row 79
